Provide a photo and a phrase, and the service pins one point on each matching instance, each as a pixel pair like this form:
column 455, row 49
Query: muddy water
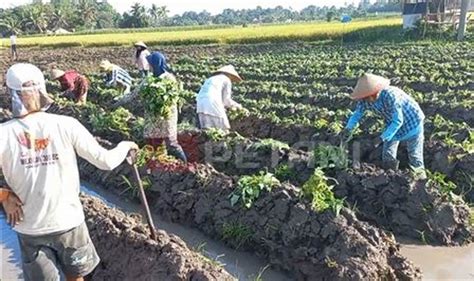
column 242, row 265
column 442, row 263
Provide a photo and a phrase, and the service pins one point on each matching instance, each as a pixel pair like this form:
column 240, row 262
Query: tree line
column 77, row 15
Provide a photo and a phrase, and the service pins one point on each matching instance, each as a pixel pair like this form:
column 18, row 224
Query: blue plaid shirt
column 403, row 116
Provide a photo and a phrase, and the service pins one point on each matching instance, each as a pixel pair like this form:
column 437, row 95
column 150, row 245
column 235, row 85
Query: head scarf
column 27, row 90
column 158, row 62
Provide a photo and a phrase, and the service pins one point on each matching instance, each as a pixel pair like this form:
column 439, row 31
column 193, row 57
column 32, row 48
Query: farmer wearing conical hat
column 141, row 54
column 116, row 76
column 403, row 118
column 73, row 84
column 215, row 96
column 39, row 162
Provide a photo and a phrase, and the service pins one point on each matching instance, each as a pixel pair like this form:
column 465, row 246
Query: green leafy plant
column 249, row 188
column 215, row 134
column 161, row 94
column 116, row 121
column 330, row 156
column 269, row 144
column 133, row 188
column 237, row 233
column 284, row 172
column 319, row 193
column 446, row 187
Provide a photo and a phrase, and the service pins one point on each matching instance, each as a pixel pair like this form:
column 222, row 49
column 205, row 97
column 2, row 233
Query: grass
column 236, row 233
column 228, row 35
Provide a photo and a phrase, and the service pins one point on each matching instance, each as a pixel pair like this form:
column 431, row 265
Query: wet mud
column 127, row 253
column 279, row 226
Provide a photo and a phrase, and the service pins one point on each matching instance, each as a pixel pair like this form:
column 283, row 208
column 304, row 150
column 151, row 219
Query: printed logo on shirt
column 29, row 141
column 35, row 157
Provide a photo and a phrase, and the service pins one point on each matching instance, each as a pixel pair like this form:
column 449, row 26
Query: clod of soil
column 409, row 208
column 279, row 226
column 127, row 252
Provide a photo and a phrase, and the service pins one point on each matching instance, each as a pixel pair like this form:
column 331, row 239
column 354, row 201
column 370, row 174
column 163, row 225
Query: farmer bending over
column 116, row 77
column 38, row 159
column 403, row 118
column 74, row 85
column 215, row 96
column 159, row 129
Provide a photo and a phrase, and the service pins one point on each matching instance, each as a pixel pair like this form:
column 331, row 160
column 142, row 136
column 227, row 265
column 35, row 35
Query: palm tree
column 157, row 13
column 11, row 23
column 59, row 18
column 138, row 13
column 35, row 18
column 88, row 12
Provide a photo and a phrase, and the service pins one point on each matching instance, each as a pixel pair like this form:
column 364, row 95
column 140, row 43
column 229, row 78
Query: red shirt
column 67, row 80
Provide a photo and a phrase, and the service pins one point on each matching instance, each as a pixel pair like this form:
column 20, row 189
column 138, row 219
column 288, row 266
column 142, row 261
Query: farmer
column 13, row 46
column 157, row 129
column 215, row 96
column 116, row 76
column 141, row 54
column 38, row 159
column 73, row 84
column 403, row 118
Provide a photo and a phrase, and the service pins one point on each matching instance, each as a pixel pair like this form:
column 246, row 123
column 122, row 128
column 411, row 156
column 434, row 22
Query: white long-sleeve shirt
column 38, row 160
column 142, row 62
column 216, row 95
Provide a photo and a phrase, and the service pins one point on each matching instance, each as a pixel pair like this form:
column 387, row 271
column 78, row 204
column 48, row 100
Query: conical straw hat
column 141, row 44
column 106, row 65
column 230, row 70
column 369, row 85
column 56, row 73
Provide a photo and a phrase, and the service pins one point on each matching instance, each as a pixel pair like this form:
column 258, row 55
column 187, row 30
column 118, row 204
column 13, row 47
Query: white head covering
column 25, row 81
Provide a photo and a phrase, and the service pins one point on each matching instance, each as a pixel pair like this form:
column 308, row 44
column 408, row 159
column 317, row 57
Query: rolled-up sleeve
column 88, row 148
column 356, row 116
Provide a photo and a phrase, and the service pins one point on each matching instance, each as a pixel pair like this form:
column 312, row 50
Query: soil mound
column 127, row 252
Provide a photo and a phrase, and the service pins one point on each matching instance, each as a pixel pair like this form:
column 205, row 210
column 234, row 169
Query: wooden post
column 462, row 21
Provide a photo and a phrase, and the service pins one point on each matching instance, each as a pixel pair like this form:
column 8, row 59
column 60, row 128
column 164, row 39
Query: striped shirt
column 119, row 76
column 402, row 114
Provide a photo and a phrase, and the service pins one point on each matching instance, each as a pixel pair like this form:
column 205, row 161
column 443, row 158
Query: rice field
column 228, row 35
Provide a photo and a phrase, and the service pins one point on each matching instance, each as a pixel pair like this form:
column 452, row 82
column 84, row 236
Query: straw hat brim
column 233, row 75
column 57, row 74
column 140, row 44
column 369, row 85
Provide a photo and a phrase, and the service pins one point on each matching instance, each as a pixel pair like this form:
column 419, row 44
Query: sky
column 212, row 6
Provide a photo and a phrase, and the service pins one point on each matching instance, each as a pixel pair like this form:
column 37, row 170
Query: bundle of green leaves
column 161, row 94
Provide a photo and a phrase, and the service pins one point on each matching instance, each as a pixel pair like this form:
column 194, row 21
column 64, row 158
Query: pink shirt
column 142, row 62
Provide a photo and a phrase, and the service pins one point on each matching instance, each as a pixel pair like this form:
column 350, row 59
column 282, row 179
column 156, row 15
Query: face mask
column 17, row 107
column 37, row 98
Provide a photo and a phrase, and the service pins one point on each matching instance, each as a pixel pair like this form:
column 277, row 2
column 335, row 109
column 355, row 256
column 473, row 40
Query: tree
column 88, row 13
column 330, row 15
column 11, row 24
column 157, row 14
column 35, row 18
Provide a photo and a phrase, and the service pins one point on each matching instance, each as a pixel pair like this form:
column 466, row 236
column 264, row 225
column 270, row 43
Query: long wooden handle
column 149, row 218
